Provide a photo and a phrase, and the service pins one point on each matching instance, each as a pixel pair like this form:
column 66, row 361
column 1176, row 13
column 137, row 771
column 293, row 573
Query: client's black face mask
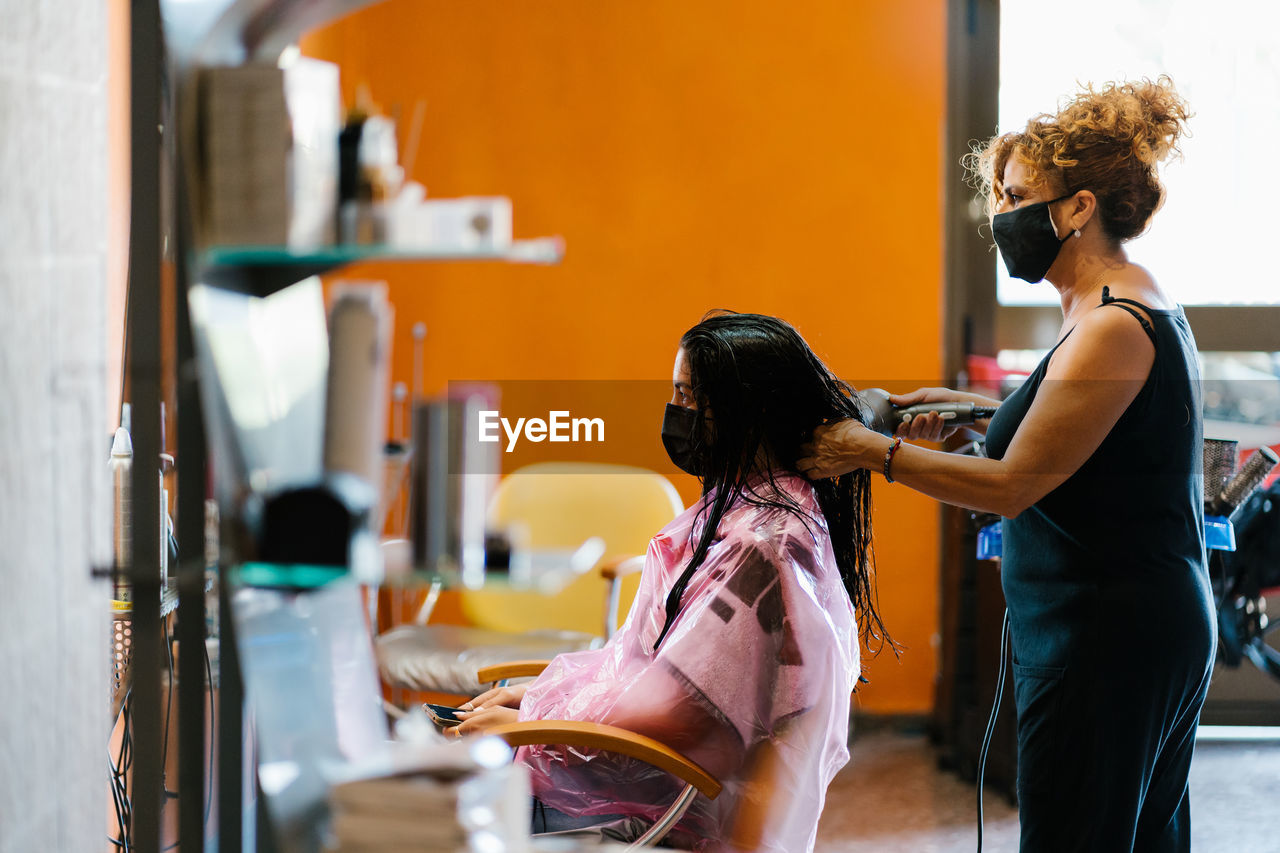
column 1027, row 240
column 678, row 426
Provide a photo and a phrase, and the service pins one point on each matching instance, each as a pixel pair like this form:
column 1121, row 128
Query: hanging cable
column 119, row 778
column 168, row 711
column 991, row 721
column 208, row 788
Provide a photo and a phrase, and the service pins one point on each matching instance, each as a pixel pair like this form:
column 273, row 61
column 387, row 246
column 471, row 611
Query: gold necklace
column 1092, row 287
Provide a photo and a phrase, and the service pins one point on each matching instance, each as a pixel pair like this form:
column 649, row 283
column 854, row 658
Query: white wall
column 54, row 619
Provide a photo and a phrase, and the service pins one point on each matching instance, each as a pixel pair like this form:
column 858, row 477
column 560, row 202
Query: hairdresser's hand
column 839, row 448
column 480, row 721
column 932, row 427
column 502, row 697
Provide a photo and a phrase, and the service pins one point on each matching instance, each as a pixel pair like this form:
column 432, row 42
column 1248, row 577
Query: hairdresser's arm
column 1092, row 379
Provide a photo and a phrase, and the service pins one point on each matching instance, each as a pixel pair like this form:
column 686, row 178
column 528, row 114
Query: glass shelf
column 542, row 572
column 542, row 250
column 263, row 270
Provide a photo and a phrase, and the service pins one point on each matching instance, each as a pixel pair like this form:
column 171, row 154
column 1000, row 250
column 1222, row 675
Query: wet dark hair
column 766, row 389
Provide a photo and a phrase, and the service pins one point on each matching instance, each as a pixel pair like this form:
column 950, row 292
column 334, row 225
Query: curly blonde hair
column 1108, row 141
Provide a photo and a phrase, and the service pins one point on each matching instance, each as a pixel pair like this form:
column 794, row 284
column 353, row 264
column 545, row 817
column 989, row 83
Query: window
column 1212, row 242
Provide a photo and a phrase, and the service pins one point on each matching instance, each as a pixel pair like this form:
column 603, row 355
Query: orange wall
column 693, row 155
column 118, row 166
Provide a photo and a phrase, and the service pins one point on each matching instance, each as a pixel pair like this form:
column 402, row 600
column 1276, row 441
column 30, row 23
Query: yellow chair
column 555, row 505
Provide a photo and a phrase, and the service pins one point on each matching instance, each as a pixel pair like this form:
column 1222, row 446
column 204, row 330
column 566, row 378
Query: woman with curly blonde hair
column 1095, row 465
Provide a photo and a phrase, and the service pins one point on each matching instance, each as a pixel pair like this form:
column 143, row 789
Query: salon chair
column 580, row 735
column 557, row 506
column 757, row 796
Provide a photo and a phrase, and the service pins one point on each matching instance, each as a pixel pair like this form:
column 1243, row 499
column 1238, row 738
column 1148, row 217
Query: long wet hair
column 765, row 389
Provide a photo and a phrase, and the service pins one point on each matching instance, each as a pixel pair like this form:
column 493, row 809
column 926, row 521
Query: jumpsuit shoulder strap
column 1122, row 303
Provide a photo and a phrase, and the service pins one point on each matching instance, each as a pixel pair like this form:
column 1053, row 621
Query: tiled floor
column 892, row 798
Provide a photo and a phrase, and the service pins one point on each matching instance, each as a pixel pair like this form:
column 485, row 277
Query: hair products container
column 1219, row 465
column 452, row 483
column 349, row 176
column 164, row 536
column 121, row 465
column 355, row 427
column 1251, row 474
column 212, row 550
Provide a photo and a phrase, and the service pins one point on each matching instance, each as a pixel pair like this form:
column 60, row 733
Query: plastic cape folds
column 764, row 654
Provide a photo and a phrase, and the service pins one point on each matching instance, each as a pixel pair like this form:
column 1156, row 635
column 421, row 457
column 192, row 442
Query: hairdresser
column 1095, row 465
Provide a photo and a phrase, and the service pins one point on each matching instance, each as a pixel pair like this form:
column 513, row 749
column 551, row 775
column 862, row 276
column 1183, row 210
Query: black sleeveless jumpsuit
column 1111, row 617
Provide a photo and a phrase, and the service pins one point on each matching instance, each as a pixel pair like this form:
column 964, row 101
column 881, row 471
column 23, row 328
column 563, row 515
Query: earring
column 1077, row 232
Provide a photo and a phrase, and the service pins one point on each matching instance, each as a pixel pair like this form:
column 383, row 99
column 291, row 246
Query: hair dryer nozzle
column 880, row 412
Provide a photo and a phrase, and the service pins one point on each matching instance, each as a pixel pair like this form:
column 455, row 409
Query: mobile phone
column 442, row 715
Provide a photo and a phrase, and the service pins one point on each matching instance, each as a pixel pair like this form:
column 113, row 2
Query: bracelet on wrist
column 888, row 457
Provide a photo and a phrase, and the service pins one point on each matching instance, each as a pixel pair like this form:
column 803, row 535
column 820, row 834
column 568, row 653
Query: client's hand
column 506, row 697
column 480, row 721
column 839, row 448
column 491, row 708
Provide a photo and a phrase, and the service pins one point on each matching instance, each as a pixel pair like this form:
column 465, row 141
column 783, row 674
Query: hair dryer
column 886, row 417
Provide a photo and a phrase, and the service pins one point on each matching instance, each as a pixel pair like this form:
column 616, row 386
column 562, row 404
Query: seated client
column 742, row 638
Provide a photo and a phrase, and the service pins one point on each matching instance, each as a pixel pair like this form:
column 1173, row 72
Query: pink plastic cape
column 764, row 651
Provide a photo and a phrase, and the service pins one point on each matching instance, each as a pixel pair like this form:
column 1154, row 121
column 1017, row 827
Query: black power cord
column 168, row 710
column 991, row 721
column 119, row 767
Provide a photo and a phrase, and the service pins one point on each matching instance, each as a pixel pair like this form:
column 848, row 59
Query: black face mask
column 1027, row 241
column 678, row 425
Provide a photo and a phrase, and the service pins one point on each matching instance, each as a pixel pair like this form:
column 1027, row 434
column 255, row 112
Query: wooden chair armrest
column 611, row 739
column 620, row 567
column 511, row 669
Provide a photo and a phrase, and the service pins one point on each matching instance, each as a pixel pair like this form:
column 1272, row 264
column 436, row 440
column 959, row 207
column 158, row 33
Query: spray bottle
column 122, row 513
